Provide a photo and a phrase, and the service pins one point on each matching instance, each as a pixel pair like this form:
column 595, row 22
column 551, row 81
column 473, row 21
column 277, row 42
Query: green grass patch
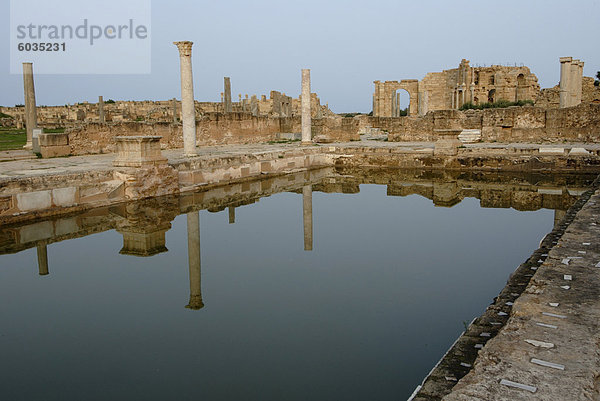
column 11, row 139
column 4, row 115
column 54, row 130
column 496, row 105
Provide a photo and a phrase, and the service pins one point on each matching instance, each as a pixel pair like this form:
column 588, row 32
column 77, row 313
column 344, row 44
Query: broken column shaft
column 30, row 108
column 101, row 117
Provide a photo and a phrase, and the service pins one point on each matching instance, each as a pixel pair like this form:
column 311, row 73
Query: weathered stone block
column 138, row 151
column 55, row 151
column 47, row 139
column 64, row 196
column 34, row 201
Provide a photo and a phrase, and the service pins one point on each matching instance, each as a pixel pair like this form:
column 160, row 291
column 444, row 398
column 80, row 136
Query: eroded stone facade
column 450, row 89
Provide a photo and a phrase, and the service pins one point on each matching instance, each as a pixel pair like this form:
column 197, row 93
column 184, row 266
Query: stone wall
column 211, row 129
column 277, row 105
column 512, row 124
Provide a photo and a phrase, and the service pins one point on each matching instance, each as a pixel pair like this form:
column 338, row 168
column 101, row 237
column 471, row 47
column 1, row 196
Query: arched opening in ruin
column 475, row 100
column 401, row 103
column 492, row 96
column 521, row 88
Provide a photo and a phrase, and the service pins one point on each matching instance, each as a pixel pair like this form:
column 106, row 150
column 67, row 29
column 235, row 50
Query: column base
column 307, row 143
column 28, row 146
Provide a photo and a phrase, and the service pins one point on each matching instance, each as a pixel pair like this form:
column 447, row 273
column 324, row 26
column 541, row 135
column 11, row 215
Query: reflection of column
column 307, row 217
column 231, row 215
column 188, row 112
column 42, row 255
column 193, row 231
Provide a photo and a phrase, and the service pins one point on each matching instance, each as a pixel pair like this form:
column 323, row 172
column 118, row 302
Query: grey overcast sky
column 262, row 45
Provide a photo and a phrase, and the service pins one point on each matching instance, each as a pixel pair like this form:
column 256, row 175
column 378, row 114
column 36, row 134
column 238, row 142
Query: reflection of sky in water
column 365, row 315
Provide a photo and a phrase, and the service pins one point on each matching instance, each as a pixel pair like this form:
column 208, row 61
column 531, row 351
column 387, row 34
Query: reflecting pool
column 328, row 285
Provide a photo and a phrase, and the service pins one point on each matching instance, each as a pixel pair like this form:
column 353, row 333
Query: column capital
column 565, row 59
column 185, row 47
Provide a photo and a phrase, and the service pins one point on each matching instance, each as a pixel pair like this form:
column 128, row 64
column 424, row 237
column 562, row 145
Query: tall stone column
column 306, row 119
column 307, row 217
column 565, row 80
column 188, row 113
column 373, row 109
column 42, row 256
column 174, row 105
column 576, row 82
column 227, row 95
column 573, row 83
column 30, row 107
column 101, row 117
column 193, row 232
column 580, row 82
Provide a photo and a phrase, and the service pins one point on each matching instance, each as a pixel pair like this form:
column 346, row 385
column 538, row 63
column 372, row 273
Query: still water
column 137, row 305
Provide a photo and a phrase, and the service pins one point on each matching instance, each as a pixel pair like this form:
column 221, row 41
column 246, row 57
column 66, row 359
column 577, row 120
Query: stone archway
column 385, row 96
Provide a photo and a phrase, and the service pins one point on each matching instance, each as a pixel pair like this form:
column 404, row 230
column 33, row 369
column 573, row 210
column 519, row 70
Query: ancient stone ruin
column 450, row 89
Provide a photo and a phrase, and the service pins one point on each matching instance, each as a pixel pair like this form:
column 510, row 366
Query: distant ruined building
column 450, row 89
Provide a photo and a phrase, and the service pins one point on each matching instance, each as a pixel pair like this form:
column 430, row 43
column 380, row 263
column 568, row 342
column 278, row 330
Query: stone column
column 254, row 106
column 421, row 104
column 306, row 119
column 580, row 82
column 227, row 95
column 174, row 110
column 231, row 210
column 193, row 232
column 188, row 113
column 373, row 109
column 573, row 83
column 101, row 117
column 564, row 92
column 576, row 82
column 42, row 256
column 307, row 217
column 30, row 107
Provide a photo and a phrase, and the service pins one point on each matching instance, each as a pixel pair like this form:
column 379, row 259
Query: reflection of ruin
column 193, row 236
column 143, row 229
column 144, row 223
column 307, row 217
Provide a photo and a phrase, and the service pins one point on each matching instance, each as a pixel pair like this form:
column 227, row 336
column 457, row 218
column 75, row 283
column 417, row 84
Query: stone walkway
column 549, row 348
column 22, row 164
